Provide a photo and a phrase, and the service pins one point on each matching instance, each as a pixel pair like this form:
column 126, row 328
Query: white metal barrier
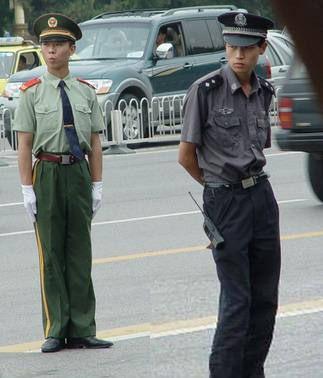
column 144, row 121
column 8, row 138
column 275, row 107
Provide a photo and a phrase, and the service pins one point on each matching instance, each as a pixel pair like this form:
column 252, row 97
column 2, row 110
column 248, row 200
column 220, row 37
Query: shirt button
column 253, row 146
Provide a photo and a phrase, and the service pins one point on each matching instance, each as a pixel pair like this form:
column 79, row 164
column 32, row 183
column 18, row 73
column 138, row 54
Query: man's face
column 243, row 60
column 160, row 38
column 57, row 54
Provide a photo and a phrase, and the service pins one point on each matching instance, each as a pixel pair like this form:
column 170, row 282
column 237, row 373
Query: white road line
column 292, row 201
column 11, row 204
column 146, row 218
column 143, row 218
column 137, row 219
column 285, row 153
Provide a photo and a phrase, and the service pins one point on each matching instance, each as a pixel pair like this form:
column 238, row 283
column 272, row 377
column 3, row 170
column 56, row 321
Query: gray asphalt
column 159, row 289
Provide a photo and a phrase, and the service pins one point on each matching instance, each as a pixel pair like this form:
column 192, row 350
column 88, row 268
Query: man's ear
column 263, row 47
column 73, row 47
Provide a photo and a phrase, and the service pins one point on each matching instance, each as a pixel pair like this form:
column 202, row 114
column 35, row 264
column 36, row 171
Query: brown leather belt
column 60, row 159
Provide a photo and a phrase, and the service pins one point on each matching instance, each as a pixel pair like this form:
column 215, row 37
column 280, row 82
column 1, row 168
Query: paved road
column 155, row 282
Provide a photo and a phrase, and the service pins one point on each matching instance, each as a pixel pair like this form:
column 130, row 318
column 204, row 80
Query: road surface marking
column 137, row 219
column 198, row 248
column 165, row 252
column 154, row 331
column 285, row 153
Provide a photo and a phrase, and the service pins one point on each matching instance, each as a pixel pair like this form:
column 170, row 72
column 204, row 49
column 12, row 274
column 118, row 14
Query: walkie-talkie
column 209, row 227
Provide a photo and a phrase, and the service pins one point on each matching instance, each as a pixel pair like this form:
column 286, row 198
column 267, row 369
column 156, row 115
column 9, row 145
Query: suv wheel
column 315, row 172
column 128, row 104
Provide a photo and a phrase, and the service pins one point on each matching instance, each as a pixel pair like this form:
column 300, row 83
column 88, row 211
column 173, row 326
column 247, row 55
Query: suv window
column 216, row 34
column 286, row 55
column 172, row 33
column 286, row 42
column 197, row 36
column 113, row 41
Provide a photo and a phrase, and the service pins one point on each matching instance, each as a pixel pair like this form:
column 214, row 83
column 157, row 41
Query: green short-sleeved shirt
column 40, row 112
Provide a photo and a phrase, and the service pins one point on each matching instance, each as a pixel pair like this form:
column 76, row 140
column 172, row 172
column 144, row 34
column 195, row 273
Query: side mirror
column 165, row 51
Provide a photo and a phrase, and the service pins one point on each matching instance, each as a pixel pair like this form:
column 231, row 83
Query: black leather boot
column 90, row 342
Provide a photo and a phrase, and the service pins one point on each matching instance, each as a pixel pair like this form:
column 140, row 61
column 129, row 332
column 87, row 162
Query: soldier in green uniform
column 59, row 120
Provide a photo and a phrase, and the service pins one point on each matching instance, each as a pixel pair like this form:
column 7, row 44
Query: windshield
column 6, row 61
column 113, row 41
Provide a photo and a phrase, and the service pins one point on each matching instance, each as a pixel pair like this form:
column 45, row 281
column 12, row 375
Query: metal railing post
column 2, row 134
column 117, row 136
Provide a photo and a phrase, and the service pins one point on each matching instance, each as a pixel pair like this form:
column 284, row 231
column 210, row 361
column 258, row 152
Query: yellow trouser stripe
column 41, row 264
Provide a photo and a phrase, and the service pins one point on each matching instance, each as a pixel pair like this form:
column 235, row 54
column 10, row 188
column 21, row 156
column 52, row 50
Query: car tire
column 315, row 173
column 131, row 117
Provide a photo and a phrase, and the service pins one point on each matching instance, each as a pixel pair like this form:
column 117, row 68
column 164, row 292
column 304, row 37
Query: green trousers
column 63, row 233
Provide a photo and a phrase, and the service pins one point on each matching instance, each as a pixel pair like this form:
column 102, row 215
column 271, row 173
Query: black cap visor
column 56, row 38
column 241, row 40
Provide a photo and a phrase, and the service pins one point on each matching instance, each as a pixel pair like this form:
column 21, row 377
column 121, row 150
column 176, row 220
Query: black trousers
column 248, row 268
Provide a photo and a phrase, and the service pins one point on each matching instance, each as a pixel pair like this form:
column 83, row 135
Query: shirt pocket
column 47, row 117
column 82, row 120
column 227, row 130
column 263, row 125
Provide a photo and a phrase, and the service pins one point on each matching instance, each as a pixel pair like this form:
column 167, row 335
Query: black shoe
column 53, row 344
column 90, row 342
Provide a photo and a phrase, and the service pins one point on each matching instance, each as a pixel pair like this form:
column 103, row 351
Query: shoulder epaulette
column 264, row 83
column 86, row 82
column 30, row 83
column 211, row 83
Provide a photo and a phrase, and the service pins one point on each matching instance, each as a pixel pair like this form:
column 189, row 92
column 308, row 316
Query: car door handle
column 223, row 60
column 188, row 65
column 282, row 70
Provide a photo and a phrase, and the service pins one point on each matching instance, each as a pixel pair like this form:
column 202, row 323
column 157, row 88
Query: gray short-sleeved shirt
column 40, row 113
column 229, row 129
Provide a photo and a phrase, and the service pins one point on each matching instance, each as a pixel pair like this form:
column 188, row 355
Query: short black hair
column 163, row 30
column 261, row 42
column 23, row 59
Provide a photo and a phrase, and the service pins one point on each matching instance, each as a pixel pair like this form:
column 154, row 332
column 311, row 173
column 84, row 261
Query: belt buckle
column 248, row 182
column 65, row 159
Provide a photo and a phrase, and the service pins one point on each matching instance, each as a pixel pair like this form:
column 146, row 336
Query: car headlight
column 12, row 90
column 101, row 86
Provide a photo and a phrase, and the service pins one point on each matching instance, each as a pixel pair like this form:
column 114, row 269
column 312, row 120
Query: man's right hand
column 29, row 201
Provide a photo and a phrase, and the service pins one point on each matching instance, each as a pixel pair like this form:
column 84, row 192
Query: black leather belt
column 243, row 184
column 60, row 159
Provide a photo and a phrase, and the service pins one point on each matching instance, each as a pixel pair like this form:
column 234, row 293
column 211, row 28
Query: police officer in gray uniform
column 226, row 127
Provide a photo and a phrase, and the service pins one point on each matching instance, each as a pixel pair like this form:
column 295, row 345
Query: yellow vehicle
column 17, row 54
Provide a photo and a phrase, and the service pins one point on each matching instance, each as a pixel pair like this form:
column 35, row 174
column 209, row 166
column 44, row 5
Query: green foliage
column 81, row 10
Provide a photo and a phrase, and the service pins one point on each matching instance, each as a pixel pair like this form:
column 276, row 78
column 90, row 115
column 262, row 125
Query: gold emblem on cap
column 52, row 22
column 240, row 19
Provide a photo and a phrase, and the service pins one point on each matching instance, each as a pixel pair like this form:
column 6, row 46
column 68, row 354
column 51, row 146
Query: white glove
column 97, row 187
column 29, row 201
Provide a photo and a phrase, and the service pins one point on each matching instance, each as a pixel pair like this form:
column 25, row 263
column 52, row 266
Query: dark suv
column 119, row 55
